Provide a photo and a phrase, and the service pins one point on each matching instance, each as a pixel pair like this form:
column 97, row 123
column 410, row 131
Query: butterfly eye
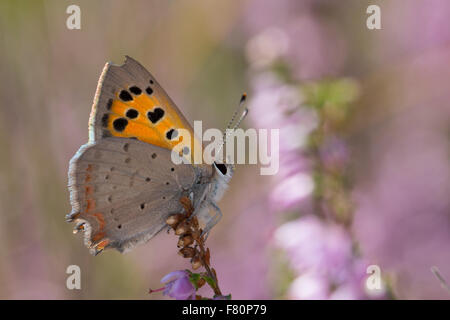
column 221, row 167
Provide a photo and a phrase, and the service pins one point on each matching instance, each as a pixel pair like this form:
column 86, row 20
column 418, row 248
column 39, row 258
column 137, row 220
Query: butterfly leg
column 213, row 220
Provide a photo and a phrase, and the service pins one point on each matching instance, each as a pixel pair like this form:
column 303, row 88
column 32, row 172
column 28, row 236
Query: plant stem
column 203, row 253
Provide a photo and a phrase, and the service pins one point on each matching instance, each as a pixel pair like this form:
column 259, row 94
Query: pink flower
column 334, row 153
column 309, row 286
column 321, row 254
column 178, row 285
column 290, row 191
column 313, row 244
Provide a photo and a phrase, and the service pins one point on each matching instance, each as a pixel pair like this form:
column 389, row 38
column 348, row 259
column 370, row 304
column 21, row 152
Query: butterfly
column 123, row 184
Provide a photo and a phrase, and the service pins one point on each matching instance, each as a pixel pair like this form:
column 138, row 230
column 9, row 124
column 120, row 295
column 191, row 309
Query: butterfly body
column 214, row 192
column 123, row 184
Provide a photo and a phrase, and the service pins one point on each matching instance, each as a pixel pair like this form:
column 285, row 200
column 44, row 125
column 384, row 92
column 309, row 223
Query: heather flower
column 312, row 244
column 321, row 253
column 292, row 30
column 295, row 44
column 221, row 297
column 273, row 102
column 278, row 105
column 290, row 191
column 266, row 47
column 318, row 48
column 178, row 285
column 309, row 286
column 334, row 153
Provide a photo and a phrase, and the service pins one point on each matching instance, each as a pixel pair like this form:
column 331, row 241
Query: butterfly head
column 223, row 171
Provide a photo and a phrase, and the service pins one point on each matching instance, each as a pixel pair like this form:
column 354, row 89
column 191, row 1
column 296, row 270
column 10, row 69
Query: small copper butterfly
column 123, row 184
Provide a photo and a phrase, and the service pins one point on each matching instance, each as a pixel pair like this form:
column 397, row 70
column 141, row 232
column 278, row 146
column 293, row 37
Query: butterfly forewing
column 130, row 103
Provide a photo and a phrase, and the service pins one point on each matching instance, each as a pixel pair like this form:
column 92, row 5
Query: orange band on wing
column 145, row 118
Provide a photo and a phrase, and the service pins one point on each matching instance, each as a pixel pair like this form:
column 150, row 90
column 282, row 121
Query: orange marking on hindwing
column 101, row 225
column 100, row 219
column 90, row 206
column 98, row 236
column 102, row 244
column 89, row 190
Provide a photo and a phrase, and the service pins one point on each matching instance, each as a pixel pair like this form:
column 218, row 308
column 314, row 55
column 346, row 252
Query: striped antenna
column 241, row 103
column 230, row 125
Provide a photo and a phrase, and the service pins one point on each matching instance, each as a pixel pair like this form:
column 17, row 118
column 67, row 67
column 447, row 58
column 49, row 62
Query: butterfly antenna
column 241, row 103
column 243, row 115
column 230, row 124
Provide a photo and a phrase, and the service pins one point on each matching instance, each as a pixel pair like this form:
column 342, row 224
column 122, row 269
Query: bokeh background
column 364, row 143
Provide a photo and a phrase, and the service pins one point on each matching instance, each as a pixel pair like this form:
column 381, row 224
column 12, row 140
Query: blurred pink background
column 382, row 135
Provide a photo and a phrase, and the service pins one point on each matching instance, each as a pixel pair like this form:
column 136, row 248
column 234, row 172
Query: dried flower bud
column 185, row 241
column 182, row 228
column 196, row 263
column 196, row 235
column 195, row 223
column 187, row 252
column 174, row 219
column 186, row 203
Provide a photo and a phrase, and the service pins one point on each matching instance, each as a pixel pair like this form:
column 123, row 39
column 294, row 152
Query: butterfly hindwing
column 122, row 191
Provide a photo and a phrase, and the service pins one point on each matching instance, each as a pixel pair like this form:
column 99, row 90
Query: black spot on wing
column 125, row 96
column 120, row 124
column 155, row 115
column 132, row 113
column 109, row 104
column 105, row 118
column 135, row 90
column 149, row 90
